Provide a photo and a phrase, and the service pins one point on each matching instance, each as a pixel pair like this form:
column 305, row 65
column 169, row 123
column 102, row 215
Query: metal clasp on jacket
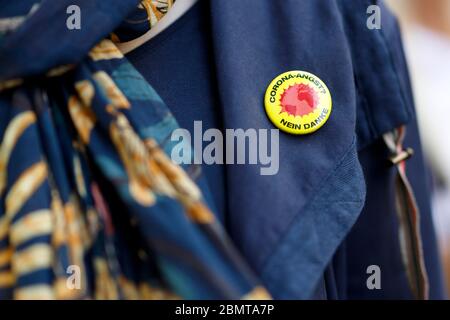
column 401, row 156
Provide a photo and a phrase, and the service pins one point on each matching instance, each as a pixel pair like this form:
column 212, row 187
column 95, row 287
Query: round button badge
column 298, row 102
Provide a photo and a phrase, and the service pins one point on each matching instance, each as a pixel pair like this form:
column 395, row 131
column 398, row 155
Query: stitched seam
column 365, row 105
column 358, row 82
column 391, row 60
column 286, row 232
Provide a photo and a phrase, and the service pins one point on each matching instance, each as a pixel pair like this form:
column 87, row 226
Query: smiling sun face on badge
column 298, row 102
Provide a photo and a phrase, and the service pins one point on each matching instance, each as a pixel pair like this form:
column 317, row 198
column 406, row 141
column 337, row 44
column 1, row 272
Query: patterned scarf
column 91, row 206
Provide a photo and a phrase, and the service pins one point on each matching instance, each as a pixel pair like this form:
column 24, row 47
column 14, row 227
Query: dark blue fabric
column 384, row 101
column 187, row 82
column 192, row 94
column 374, row 239
column 87, row 150
column 252, row 46
column 289, row 225
column 72, row 45
column 260, row 213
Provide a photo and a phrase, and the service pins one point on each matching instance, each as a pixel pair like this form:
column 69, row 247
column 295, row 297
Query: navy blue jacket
column 290, row 225
column 311, row 230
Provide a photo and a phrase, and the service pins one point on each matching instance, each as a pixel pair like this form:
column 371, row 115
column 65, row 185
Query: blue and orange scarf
column 91, row 205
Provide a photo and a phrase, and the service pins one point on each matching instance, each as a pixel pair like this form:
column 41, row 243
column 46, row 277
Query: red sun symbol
column 299, row 100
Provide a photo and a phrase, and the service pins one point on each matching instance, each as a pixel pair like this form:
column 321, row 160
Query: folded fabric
column 86, row 187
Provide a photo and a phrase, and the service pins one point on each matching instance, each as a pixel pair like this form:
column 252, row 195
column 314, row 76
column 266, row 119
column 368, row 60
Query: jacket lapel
column 288, row 225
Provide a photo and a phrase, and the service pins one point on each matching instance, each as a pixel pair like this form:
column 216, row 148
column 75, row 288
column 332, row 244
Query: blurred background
column 426, row 34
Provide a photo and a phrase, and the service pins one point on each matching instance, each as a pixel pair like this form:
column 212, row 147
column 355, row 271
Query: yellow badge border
column 273, row 108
